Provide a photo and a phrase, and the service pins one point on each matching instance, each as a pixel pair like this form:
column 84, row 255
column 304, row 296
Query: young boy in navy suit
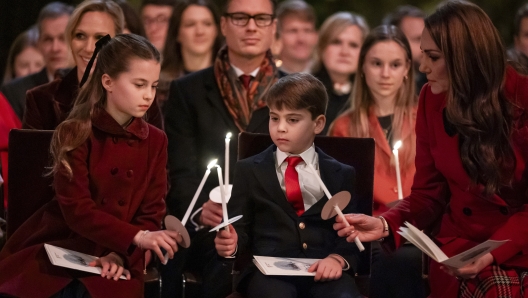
column 281, row 200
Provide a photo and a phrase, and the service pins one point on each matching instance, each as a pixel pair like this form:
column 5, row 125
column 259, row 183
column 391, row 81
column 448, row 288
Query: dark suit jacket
column 270, row 226
column 196, row 122
column 15, row 91
column 50, row 104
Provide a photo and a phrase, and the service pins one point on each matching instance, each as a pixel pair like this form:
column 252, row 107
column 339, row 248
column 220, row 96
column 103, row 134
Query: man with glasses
column 155, row 15
column 201, row 109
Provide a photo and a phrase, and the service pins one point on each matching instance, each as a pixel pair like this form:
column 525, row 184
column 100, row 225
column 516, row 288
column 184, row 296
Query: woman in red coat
column 471, row 181
column 110, row 183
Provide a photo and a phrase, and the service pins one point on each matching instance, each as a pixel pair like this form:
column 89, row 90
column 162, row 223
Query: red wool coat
column 118, row 188
column 385, row 185
column 469, row 219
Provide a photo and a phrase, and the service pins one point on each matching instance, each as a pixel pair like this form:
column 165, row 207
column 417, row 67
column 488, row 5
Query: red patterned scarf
column 241, row 102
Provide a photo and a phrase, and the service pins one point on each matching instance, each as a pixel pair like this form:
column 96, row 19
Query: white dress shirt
column 310, row 188
column 239, row 72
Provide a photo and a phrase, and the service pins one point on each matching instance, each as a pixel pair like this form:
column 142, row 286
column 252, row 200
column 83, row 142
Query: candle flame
column 212, row 164
column 228, row 135
column 397, row 145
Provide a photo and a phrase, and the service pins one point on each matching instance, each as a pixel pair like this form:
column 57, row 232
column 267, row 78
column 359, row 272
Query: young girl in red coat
column 110, row 184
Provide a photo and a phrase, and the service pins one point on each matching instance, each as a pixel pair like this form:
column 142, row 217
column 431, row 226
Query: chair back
column 28, row 188
column 356, row 152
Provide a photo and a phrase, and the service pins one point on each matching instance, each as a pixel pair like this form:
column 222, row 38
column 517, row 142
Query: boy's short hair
column 299, row 91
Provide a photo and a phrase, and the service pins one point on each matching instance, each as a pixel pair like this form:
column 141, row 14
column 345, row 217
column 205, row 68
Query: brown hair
column 107, row 6
column 476, row 68
column 299, row 91
column 332, row 27
column 24, row 40
column 113, row 59
column 362, row 100
column 296, row 8
column 172, row 66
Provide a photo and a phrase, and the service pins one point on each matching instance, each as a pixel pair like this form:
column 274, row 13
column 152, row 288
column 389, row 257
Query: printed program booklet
column 72, row 259
column 284, row 266
column 425, row 244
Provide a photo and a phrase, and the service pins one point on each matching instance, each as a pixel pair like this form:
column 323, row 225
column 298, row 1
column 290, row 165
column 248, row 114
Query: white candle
column 397, row 146
column 222, row 194
column 336, row 208
column 356, row 240
column 198, row 191
column 227, row 139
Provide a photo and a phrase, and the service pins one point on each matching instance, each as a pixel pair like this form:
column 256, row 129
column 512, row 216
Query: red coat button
column 114, row 171
column 121, row 202
column 130, row 173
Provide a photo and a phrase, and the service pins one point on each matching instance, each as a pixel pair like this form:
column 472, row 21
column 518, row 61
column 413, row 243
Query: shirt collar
column 239, row 72
column 308, row 156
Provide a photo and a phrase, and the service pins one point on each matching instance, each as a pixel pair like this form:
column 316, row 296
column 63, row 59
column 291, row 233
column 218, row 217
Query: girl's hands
column 470, row 270
column 112, row 266
column 155, row 240
column 367, row 228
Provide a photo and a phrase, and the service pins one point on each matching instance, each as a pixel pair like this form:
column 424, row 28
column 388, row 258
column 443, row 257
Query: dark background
column 17, row 15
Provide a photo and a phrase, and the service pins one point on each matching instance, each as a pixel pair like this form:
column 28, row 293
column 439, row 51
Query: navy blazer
column 270, row 226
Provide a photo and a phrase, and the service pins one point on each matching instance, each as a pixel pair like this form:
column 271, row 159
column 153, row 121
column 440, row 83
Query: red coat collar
column 104, row 122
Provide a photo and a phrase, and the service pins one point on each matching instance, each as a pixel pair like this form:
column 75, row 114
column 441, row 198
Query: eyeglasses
column 242, row 19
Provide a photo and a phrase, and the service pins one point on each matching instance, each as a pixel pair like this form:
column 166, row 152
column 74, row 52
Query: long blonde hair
column 107, row 6
column 362, row 102
column 113, row 59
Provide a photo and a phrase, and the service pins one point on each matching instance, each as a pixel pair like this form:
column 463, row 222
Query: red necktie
column 293, row 189
column 245, row 81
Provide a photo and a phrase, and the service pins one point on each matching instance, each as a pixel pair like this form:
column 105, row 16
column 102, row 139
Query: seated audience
column 383, row 107
column 51, row 24
column 340, row 39
column 471, row 151
column 297, row 35
column 155, row 15
column 410, row 20
column 194, row 29
column 104, row 130
column 24, row 57
column 281, row 200
column 48, row 105
column 201, row 109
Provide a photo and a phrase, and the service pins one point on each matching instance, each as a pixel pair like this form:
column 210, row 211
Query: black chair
column 29, row 187
column 356, row 152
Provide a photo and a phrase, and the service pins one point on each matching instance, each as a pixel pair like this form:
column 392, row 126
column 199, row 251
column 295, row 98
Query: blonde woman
column 340, row 39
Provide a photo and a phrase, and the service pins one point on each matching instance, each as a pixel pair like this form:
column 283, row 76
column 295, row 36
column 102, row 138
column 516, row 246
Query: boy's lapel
column 267, row 176
column 328, row 168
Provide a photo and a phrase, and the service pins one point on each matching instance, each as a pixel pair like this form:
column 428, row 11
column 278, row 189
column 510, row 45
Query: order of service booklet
column 284, row 266
column 72, row 259
column 425, row 244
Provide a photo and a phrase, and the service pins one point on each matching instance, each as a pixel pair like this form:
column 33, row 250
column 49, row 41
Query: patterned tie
column 245, row 81
column 293, row 189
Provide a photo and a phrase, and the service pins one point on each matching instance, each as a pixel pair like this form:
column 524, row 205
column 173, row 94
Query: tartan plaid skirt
column 496, row 282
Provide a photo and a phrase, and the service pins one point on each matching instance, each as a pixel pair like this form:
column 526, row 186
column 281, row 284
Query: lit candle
column 227, row 139
column 198, row 191
column 222, row 194
column 397, row 146
column 336, row 208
